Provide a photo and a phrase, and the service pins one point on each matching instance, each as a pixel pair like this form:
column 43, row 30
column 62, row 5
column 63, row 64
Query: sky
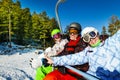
column 96, row 13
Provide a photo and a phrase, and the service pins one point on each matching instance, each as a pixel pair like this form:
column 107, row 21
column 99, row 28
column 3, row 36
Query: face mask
column 96, row 44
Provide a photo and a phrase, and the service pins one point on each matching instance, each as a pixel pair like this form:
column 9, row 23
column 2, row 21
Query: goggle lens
column 92, row 34
column 56, row 36
column 73, row 31
column 89, row 36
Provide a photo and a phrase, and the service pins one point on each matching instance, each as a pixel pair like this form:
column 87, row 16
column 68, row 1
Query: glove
column 35, row 63
column 107, row 75
column 44, row 62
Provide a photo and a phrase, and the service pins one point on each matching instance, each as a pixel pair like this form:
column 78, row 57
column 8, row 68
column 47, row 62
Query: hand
column 35, row 63
column 45, row 62
column 49, row 60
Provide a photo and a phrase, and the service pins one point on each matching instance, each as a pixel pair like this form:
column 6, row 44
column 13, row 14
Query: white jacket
column 57, row 48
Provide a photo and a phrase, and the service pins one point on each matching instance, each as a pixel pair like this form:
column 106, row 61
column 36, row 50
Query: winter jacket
column 57, row 48
column 74, row 46
column 106, row 55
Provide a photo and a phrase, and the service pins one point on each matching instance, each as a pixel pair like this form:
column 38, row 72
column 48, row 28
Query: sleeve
column 108, row 54
column 72, row 59
column 57, row 48
column 114, row 43
column 114, row 52
column 115, row 37
column 62, row 45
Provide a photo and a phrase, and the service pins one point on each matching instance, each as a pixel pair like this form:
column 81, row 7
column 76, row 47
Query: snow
column 15, row 62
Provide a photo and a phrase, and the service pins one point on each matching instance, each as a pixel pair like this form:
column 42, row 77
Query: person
column 42, row 70
column 103, row 57
column 75, row 44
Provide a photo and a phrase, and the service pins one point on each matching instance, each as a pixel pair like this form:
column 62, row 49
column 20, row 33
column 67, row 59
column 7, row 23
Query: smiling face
column 73, row 34
column 57, row 37
column 94, row 40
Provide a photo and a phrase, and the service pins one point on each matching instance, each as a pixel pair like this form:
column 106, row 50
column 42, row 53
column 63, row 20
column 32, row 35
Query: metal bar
column 56, row 12
column 85, row 75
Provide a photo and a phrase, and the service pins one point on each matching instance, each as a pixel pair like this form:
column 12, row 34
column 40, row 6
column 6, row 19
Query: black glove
column 44, row 62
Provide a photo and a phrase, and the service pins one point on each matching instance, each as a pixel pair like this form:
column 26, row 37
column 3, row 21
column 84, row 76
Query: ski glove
column 107, row 75
column 35, row 63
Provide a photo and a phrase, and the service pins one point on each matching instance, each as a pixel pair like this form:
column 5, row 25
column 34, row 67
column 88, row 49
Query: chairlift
column 85, row 75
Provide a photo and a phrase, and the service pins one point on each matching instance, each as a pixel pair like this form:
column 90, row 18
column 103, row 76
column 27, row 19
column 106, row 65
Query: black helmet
column 76, row 26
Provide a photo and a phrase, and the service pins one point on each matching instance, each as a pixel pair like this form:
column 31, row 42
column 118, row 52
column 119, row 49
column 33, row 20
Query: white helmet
column 88, row 33
column 87, row 30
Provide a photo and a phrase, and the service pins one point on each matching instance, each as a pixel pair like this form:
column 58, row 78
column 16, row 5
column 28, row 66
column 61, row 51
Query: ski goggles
column 56, row 36
column 88, row 36
column 73, row 31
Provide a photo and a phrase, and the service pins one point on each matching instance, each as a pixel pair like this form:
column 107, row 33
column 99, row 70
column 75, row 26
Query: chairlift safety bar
column 85, row 75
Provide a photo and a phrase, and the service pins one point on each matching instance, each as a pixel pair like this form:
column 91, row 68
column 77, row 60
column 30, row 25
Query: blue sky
column 94, row 13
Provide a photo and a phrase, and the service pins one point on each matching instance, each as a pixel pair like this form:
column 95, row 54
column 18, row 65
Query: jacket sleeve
column 72, row 59
column 116, row 36
column 57, row 48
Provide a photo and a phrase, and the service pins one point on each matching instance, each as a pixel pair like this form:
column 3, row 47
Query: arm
column 115, row 38
column 37, row 62
column 57, row 48
column 114, row 52
column 73, row 59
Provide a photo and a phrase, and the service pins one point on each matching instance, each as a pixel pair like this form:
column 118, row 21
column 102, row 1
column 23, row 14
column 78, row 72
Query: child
column 42, row 70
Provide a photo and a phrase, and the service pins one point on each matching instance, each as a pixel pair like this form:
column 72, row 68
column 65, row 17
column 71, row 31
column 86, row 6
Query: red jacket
column 74, row 46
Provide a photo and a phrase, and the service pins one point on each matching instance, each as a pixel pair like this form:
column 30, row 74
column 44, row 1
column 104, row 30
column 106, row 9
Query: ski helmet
column 55, row 31
column 88, row 29
column 88, row 33
column 76, row 26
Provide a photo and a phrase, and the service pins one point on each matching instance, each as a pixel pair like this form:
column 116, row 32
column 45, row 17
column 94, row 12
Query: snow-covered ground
column 14, row 63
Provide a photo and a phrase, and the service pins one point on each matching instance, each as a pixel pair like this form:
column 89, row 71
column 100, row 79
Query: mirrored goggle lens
column 92, row 34
column 73, row 31
column 88, row 36
column 56, row 36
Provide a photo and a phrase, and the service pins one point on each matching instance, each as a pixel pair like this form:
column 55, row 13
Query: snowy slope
column 14, row 63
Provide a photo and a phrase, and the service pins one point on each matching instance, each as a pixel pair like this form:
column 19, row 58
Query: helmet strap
column 96, row 44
